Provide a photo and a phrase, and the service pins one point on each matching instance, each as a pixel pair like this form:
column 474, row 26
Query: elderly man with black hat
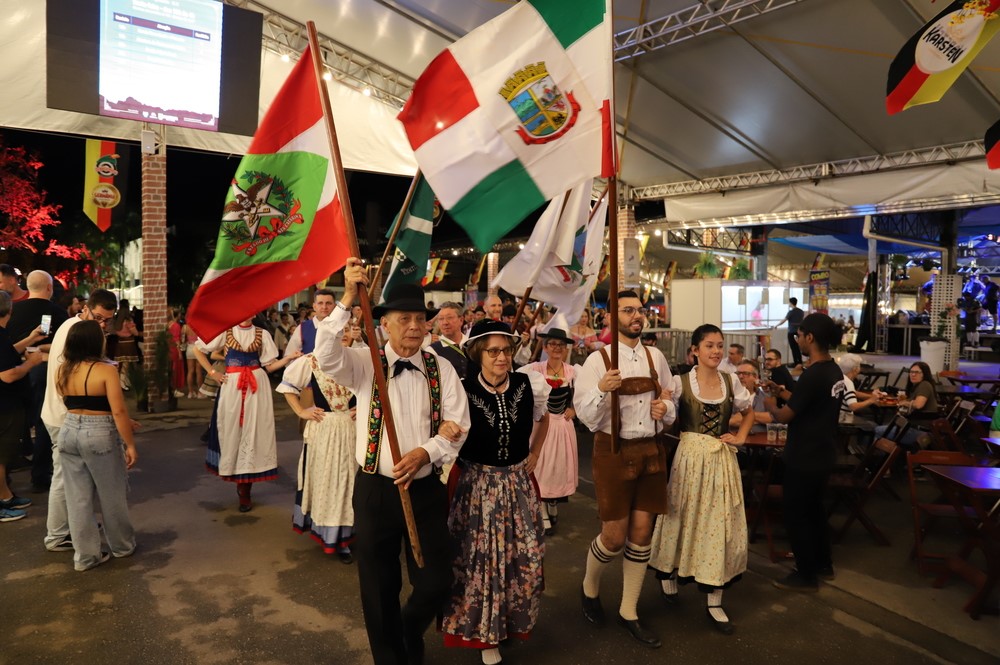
column 431, row 414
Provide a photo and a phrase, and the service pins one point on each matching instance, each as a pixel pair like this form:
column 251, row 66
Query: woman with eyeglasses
column 811, row 412
column 495, row 515
column 702, row 537
column 921, row 397
column 558, row 468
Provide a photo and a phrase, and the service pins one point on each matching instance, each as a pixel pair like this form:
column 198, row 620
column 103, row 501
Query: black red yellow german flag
column 931, row 61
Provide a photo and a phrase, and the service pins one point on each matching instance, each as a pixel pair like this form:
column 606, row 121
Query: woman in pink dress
column 557, row 470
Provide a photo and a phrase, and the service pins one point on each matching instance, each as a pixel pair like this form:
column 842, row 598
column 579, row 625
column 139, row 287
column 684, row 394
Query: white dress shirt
column 726, row 366
column 53, row 409
column 408, row 395
column 593, row 406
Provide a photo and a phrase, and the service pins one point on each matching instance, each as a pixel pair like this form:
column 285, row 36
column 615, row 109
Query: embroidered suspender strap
column 433, row 389
column 373, row 448
column 451, row 345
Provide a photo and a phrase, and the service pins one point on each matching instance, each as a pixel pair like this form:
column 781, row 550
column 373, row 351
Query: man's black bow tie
column 401, row 365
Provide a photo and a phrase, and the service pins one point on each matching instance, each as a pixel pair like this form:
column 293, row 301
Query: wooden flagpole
column 613, row 244
column 366, row 307
column 392, row 238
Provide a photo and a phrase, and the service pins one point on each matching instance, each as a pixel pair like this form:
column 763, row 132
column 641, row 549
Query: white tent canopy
column 714, row 89
column 371, row 139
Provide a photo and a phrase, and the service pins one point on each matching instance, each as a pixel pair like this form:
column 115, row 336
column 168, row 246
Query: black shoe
column 592, row 609
column 671, row 599
column 824, row 573
column 643, row 636
column 724, row 627
column 246, row 507
column 794, row 581
column 345, row 557
column 414, row 649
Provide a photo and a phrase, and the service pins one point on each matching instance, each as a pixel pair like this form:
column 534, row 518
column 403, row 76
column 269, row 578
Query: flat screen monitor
column 188, row 63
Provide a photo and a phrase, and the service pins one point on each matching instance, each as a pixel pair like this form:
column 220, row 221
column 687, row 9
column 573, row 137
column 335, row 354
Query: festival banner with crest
column 105, row 181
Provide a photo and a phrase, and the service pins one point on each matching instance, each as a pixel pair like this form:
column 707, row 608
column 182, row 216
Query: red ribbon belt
column 246, row 381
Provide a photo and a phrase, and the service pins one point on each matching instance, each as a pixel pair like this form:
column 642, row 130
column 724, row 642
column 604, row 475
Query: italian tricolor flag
column 515, row 113
column 282, row 224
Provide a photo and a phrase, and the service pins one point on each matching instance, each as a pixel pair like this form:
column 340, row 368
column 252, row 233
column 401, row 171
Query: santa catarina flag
column 413, row 242
column 515, row 113
column 993, row 146
column 282, row 223
column 931, row 61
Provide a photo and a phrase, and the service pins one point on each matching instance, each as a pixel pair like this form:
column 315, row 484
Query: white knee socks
column 715, row 606
column 598, row 558
column 633, row 573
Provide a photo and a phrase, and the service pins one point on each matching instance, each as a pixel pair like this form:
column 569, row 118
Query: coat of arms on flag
column 545, row 113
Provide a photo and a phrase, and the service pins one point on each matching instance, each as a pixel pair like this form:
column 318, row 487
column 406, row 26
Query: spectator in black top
column 992, row 291
column 779, row 373
column 794, row 319
column 811, row 413
column 26, row 319
column 13, row 405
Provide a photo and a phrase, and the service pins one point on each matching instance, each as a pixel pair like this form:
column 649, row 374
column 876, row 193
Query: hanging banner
column 432, row 265
column 442, row 270
column 105, row 176
column 478, row 275
column 630, row 265
column 933, row 58
column 819, row 291
column 472, row 295
column 992, row 144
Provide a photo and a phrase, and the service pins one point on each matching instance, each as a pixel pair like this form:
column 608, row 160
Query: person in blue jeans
column 96, row 448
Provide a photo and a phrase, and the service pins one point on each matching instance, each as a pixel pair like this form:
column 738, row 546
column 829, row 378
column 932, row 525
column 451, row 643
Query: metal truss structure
column 924, row 227
column 942, row 154
column 728, row 241
column 287, row 37
column 684, row 24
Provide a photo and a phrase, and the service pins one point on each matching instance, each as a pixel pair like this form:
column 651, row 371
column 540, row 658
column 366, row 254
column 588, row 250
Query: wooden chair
column 855, row 487
column 897, row 428
column 924, row 513
column 945, row 437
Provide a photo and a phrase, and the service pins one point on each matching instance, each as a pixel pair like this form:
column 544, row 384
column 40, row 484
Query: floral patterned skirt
column 496, row 520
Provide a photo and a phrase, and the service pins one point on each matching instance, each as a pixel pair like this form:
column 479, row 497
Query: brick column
column 154, row 257
column 492, row 268
column 626, row 230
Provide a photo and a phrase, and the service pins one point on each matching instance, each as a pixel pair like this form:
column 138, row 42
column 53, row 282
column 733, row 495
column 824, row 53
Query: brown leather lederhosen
column 635, row 477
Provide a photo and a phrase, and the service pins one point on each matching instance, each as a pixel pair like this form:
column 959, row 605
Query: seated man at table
column 749, row 376
column 853, row 400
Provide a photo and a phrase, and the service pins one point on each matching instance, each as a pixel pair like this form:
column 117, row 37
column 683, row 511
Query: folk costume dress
column 495, row 517
column 326, row 466
column 241, row 442
column 703, row 534
column 558, row 467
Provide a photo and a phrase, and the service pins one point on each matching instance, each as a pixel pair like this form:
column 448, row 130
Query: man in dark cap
column 423, row 392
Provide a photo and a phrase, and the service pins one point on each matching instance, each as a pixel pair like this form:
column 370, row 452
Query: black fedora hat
column 404, row 298
column 488, row 327
column 558, row 334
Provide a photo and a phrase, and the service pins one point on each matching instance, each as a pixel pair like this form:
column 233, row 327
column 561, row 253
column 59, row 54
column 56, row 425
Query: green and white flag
column 515, row 113
column 413, row 243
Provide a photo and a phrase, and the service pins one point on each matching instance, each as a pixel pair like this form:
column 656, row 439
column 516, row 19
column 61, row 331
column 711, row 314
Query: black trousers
column 41, row 454
column 805, row 519
column 380, row 531
column 793, row 345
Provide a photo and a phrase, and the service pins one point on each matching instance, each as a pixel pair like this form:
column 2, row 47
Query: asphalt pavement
column 208, row 584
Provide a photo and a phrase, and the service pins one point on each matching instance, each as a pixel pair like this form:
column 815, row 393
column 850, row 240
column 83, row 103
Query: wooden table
column 977, row 381
column 761, row 490
column 965, row 392
column 979, row 488
column 993, row 444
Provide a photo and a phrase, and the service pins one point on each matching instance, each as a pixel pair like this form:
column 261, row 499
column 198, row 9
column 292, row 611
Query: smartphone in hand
column 46, row 323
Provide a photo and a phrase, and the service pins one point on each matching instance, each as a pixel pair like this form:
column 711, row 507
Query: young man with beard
column 630, row 481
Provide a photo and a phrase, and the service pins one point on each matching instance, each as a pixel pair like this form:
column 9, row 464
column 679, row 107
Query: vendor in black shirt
column 794, row 319
column 811, row 412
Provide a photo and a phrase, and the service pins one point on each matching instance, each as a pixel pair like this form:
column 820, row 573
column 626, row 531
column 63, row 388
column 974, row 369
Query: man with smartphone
column 36, row 311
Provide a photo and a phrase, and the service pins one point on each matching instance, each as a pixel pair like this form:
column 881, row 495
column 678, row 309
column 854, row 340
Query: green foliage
column 137, row 380
column 706, row 268
column 741, row 270
column 161, row 363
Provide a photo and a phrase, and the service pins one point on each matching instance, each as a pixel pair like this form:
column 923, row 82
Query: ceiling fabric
column 371, row 139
